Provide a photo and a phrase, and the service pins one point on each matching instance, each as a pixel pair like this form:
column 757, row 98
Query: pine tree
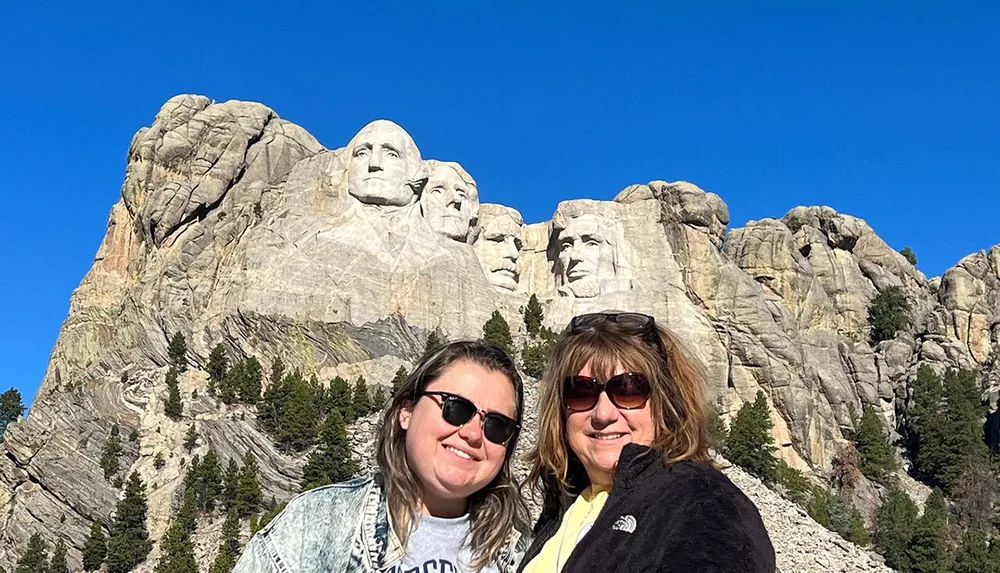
column 218, row 363
column 877, row 459
column 379, row 399
column 973, row 555
column 945, row 434
column 717, row 430
column 994, row 555
column 497, row 331
column 362, row 400
column 928, row 548
column 796, row 486
column 187, row 515
column 299, row 415
column 111, row 452
column 229, row 548
column 839, row 516
column 207, row 481
column 230, row 386
column 966, row 413
column 331, row 461
column 11, row 408
column 230, row 485
column 58, row 563
column 894, row 528
column 190, row 438
column 818, row 506
column 177, row 351
column 857, row 533
column 129, row 543
column 268, row 515
column 533, row 315
column 532, row 359
column 253, row 374
column 926, row 423
column 909, row 255
column 176, row 548
column 95, row 548
column 248, row 487
column 750, row 445
column 434, row 340
column 277, row 371
column 35, row 557
column 339, row 398
column 888, row 313
column 399, row 379
column 269, row 413
column 172, row 406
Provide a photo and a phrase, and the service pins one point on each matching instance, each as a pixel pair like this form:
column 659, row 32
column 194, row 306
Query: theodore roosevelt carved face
column 450, row 200
column 383, row 165
column 499, row 245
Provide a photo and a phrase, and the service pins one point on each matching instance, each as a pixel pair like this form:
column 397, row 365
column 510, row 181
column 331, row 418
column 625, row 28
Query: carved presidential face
column 450, row 200
column 382, row 161
column 499, row 248
column 584, row 254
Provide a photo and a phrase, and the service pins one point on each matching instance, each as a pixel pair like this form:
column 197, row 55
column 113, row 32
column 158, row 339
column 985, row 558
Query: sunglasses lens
column 580, row 393
column 457, row 410
column 628, row 390
column 585, row 321
column 498, row 429
column 633, row 321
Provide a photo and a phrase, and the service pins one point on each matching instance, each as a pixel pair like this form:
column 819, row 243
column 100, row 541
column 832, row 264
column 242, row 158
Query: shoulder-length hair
column 677, row 400
column 496, row 509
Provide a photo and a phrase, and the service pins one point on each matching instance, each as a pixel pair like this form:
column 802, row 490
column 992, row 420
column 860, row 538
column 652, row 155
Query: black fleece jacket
column 677, row 518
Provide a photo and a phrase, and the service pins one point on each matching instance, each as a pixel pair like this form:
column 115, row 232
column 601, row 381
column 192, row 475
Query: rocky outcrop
column 236, row 226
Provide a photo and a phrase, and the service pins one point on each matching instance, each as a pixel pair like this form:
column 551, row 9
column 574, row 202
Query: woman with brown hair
column 443, row 498
column 622, row 460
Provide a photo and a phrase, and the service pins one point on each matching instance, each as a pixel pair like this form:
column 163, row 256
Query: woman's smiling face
column 453, row 462
column 598, row 435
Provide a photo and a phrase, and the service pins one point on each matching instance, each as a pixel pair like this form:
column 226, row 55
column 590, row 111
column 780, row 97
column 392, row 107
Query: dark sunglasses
column 627, row 391
column 457, row 411
column 634, row 322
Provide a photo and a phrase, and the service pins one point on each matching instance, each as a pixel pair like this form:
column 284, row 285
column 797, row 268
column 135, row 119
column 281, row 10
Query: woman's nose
column 472, row 431
column 604, row 412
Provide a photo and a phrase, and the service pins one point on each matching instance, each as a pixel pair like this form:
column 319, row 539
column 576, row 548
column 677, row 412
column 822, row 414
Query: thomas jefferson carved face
column 499, row 247
column 450, row 200
column 584, row 255
column 383, row 161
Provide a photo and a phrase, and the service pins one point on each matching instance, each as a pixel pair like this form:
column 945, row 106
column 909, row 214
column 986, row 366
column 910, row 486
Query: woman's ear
column 405, row 413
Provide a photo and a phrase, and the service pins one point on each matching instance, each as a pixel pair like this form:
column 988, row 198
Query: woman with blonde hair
column 622, row 460
column 443, row 498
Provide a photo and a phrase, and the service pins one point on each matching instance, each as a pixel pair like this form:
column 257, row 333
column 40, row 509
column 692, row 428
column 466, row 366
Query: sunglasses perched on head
column 627, row 391
column 458, row 411
column 634, row 322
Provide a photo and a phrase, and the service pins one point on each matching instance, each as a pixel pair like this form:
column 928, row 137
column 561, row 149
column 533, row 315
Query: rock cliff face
column 235, row 226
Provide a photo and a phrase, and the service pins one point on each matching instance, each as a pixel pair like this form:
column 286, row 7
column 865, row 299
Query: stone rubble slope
column 800, row 544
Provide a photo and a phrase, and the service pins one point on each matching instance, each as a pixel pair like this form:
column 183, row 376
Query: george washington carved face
column 383, row 165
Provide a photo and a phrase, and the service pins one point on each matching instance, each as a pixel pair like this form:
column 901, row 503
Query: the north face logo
column 625, row 523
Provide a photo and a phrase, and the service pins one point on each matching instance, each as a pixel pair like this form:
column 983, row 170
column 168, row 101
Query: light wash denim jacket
column 340, row 528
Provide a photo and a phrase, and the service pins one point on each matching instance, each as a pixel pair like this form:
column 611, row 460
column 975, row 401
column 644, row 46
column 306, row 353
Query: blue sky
column 886, row 112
